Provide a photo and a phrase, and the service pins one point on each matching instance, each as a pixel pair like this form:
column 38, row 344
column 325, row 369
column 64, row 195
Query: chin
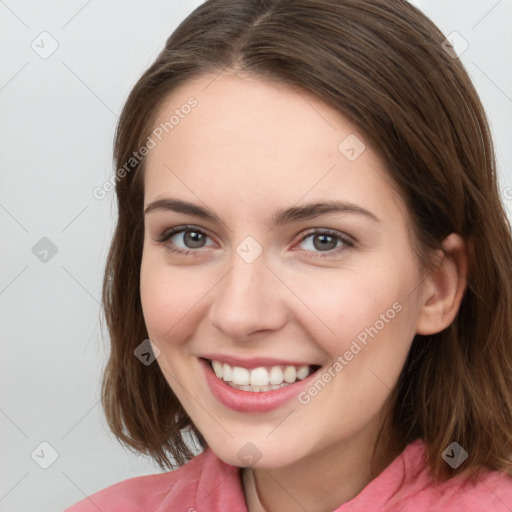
column 255, row 455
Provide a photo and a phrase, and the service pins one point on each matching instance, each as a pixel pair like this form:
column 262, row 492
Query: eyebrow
column 281, row 216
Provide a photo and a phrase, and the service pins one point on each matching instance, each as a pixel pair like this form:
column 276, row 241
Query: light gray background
column 58, row 117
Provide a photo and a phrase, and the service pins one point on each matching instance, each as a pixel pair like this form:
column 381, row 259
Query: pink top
column 207, row 484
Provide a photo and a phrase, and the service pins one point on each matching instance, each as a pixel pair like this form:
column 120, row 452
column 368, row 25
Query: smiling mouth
column 263, row 378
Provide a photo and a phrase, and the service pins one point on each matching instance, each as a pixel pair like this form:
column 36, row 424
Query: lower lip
column 252, row 401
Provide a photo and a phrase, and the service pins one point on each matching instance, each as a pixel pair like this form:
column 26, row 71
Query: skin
column 247, row 149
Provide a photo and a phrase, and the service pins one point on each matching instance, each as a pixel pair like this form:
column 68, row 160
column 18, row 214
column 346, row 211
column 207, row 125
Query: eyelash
column 347, row 241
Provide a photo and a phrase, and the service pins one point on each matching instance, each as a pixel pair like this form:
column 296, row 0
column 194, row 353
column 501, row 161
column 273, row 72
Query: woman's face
column 265, row 279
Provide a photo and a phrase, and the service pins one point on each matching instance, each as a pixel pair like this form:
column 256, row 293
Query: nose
column 248, row 299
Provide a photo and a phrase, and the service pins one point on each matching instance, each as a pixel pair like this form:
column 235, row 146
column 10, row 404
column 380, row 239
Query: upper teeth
column 260, row 376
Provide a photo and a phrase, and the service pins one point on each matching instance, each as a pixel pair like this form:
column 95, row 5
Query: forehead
column 266, row 140
column 238, row 110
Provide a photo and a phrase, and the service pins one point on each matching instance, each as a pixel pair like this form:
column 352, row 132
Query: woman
column 311, row 271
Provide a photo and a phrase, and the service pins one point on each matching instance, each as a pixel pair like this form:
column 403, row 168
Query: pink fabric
column 207, row 484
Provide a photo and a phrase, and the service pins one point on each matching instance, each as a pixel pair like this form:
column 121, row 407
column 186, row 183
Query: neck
column 323, row 481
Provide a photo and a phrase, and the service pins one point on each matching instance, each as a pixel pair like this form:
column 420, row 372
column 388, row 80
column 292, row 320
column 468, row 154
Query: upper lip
column 255, row 362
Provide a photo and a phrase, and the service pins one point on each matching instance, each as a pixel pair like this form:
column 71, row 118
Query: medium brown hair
column 383, row 65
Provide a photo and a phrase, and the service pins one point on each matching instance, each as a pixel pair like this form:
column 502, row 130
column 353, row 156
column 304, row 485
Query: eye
column 183, row 240
column 189, row 237
column 326, row 241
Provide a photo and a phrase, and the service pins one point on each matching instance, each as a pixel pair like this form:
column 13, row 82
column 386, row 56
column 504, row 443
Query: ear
column 444, row 288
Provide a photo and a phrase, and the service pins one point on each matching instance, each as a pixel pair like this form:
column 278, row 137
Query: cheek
column 173, row 298
column 168, row 300
column 360, row 306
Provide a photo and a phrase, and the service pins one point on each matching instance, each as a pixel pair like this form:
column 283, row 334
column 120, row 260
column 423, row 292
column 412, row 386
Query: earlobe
column 444, row 287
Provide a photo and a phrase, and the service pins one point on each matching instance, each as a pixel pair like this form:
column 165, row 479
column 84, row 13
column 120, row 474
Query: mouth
column 253, row 388
column 261, row 379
